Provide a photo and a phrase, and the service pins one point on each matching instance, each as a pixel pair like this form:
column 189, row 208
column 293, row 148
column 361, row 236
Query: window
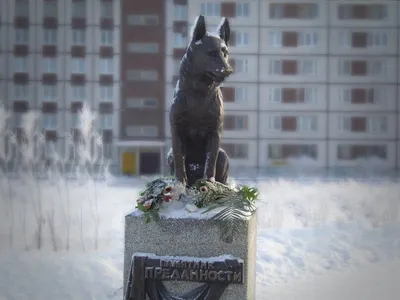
column 78, row 36
column 362, row 11
column 20, row 64
column 297, row 95
column 376, row 95
column 107, row 37
column 135, row 131
column 378, row 39
column 377, row 124
column 371, row 67
column 275, row 38
column 78, row 93
column 242, row 9
column 179, row 40
column 50, row 149
column 142, row 47
column 49, row 36
column 142, row 75
column 344, row 123
column 210, row 9
column 240, row 94
column 49, row 121
column 236, row 151
column 75, row 121
column 302, row 11
column 21, row 36
column 106, row 65
column 142, row 103
column 275, row 66
column 346, row 95
column 106, row 9
column 238, row 122
column 50, row 9
column 276, row 10
column 142, row 20
column 78, row 65
column 21, row 9
column 241, row 65
column 307, row 39
column 307, row 11
column 307, row 123
column 107, row 150
column 274, row 151
column 275, row 123
column 78, row 9
column 282, row 151
column 344, row 39
column 180, row 12
column 352, row 152
column 21, row 91
column 345, row 67
column 308, row 67
column 241, row 122
column 275, row 95
column 106, row 93
column 49, row 64
column 18, row 119
column 106, row 121
column 242, row 38
column 49, row 92
column 310, row 95
column 293, row 67
column 377, row 68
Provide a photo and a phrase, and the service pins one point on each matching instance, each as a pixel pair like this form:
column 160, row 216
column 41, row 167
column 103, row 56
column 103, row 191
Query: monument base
column 198, row 239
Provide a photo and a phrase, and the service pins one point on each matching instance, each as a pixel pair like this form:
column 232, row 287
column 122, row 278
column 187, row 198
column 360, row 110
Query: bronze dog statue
column 197, row 112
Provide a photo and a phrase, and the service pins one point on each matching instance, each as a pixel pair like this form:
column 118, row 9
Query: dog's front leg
column 179, row 158
column 212, row 148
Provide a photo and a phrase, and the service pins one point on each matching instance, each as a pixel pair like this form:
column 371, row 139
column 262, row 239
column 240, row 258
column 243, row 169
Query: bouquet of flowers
column 235, row 202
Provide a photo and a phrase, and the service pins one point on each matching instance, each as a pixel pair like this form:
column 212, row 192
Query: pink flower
column 167, row 198
column 148, row 204
column 168, row 189
column 203, row 189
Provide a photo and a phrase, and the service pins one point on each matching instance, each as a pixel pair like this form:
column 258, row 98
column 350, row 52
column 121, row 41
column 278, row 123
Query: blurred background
column 315, row 83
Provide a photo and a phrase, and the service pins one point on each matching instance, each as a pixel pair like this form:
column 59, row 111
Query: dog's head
column 209, row 52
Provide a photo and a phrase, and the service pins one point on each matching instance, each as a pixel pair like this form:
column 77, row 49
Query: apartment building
column 141, row 145
column 56, row 56
column 315, row 79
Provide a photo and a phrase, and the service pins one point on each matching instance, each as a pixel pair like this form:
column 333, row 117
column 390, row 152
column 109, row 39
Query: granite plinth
column 193, row 238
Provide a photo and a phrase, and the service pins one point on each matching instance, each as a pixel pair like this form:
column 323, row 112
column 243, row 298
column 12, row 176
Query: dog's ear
column 224, row 30
column 200, row 29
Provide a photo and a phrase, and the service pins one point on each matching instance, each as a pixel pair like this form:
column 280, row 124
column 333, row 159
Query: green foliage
column 235, row 204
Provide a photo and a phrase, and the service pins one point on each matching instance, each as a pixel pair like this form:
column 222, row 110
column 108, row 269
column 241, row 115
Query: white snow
column 317, row 239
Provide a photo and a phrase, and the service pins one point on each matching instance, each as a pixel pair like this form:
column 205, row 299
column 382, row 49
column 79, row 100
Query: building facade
column 141, row 145
column 56, row 57
column 317, row 79
column 313, row 79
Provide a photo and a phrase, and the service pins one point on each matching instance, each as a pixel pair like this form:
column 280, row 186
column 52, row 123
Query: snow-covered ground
column 317, row 239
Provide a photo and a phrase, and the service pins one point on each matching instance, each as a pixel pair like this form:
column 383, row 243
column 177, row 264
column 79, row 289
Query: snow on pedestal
column 193, row 237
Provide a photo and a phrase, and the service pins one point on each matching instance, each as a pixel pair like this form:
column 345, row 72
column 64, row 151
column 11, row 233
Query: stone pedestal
column 200, row 238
